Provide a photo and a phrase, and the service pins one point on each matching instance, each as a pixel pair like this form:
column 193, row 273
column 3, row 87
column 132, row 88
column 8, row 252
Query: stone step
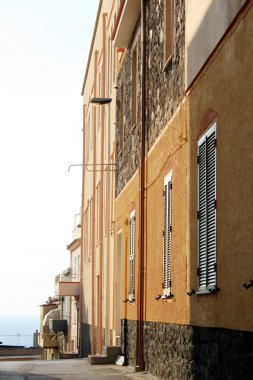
column 109, row 356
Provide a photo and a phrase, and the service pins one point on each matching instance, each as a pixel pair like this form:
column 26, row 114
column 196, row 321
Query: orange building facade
column 183, row 212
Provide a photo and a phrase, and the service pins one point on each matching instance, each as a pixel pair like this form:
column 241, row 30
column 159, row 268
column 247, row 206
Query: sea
column 18, row 330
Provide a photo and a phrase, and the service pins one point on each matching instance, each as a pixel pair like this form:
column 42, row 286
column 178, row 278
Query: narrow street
column 66, row 370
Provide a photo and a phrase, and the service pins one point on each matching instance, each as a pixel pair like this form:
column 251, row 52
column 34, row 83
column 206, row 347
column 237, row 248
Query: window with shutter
column 207, row 209
column 167, row 234
column 132, row 256
column 169, row 30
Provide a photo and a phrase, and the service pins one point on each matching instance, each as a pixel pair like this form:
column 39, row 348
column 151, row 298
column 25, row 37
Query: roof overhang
column 74, row 244
column 125, row 23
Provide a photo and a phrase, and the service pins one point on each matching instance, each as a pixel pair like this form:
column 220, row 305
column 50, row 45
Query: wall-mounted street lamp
column 100, row 101
column 98, row 167
column 109, row 165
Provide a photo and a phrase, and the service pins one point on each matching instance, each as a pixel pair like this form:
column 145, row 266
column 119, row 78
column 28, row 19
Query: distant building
column 60, row 315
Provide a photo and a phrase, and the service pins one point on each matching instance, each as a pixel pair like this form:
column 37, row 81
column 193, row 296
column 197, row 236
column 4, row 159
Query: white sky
column 44, row 46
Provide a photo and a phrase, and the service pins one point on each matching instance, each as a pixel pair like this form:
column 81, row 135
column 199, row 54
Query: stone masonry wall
column 178, row 352
column 128, row 339
column 86, row 339
column 164, row 87
column 128, row 159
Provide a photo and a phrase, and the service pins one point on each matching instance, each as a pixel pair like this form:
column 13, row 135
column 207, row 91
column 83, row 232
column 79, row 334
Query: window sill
column 167, row 298
column 207, row 292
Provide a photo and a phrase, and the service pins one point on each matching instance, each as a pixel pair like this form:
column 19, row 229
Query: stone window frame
column 90, row 226
column 97, row 215
column 169, row 28
column 134, row 83
column 86, row 230
column 87, row 142
column 92, row 130
column 99, row 109
column 121, row 120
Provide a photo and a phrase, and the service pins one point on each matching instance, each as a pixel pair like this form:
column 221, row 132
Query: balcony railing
column 48, row 341
column 67, row 285
column 67, row 278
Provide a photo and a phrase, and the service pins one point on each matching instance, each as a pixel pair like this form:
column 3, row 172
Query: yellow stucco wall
column 127, row 201
column 226, row 87
column 169, row 153
column 223, row 92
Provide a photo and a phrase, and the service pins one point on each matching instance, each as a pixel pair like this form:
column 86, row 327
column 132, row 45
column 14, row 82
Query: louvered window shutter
column 132, row 256
column 167, row 234
column 207, row 209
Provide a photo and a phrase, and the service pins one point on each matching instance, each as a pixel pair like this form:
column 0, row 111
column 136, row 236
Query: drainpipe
column 140, row 300
column 108, row 241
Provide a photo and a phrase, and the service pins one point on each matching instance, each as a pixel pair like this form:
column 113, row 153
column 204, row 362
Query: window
column 86, row 233
column 121, row 141
column 167, row 234
column 78, row 264
column 98, row 213
column 90, row 230
column 207, row 210
column 87, row 149
column 169, row 29
column 132, row 256
column 118, row 285
column 134, row 86
column 99, row 95
column 92, row 128
column 109, row 66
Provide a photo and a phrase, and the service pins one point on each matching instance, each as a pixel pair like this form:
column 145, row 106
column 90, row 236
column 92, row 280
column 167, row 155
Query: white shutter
column 167, row 234
column 132, row 256
column 207, row 209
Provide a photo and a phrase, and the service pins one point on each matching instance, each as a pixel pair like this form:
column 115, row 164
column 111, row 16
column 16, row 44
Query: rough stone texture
column 222, row 354
column 86, row 339
column 192, row 353
column 168, row 350
column 164, row 88
column 128, row 159
column 128, row 339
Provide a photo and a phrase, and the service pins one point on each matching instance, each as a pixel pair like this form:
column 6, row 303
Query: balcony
column 128, row 15
column 67, row 285
column 48, row 341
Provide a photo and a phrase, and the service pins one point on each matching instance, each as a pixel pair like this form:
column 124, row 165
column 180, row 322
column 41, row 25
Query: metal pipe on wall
column 140, row 300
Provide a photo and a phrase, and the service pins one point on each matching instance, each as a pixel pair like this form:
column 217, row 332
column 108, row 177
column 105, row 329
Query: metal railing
column 67, row 278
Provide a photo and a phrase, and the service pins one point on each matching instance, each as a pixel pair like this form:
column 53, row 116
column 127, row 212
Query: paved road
column 71, row 369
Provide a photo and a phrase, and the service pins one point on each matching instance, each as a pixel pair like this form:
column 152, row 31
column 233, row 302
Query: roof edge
column 91, row 46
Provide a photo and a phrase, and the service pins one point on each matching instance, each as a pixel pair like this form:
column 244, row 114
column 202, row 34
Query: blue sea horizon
column 18, row 330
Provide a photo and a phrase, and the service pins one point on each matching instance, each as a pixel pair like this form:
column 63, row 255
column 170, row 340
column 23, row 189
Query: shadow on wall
column 216, row 20
column 86, row 333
